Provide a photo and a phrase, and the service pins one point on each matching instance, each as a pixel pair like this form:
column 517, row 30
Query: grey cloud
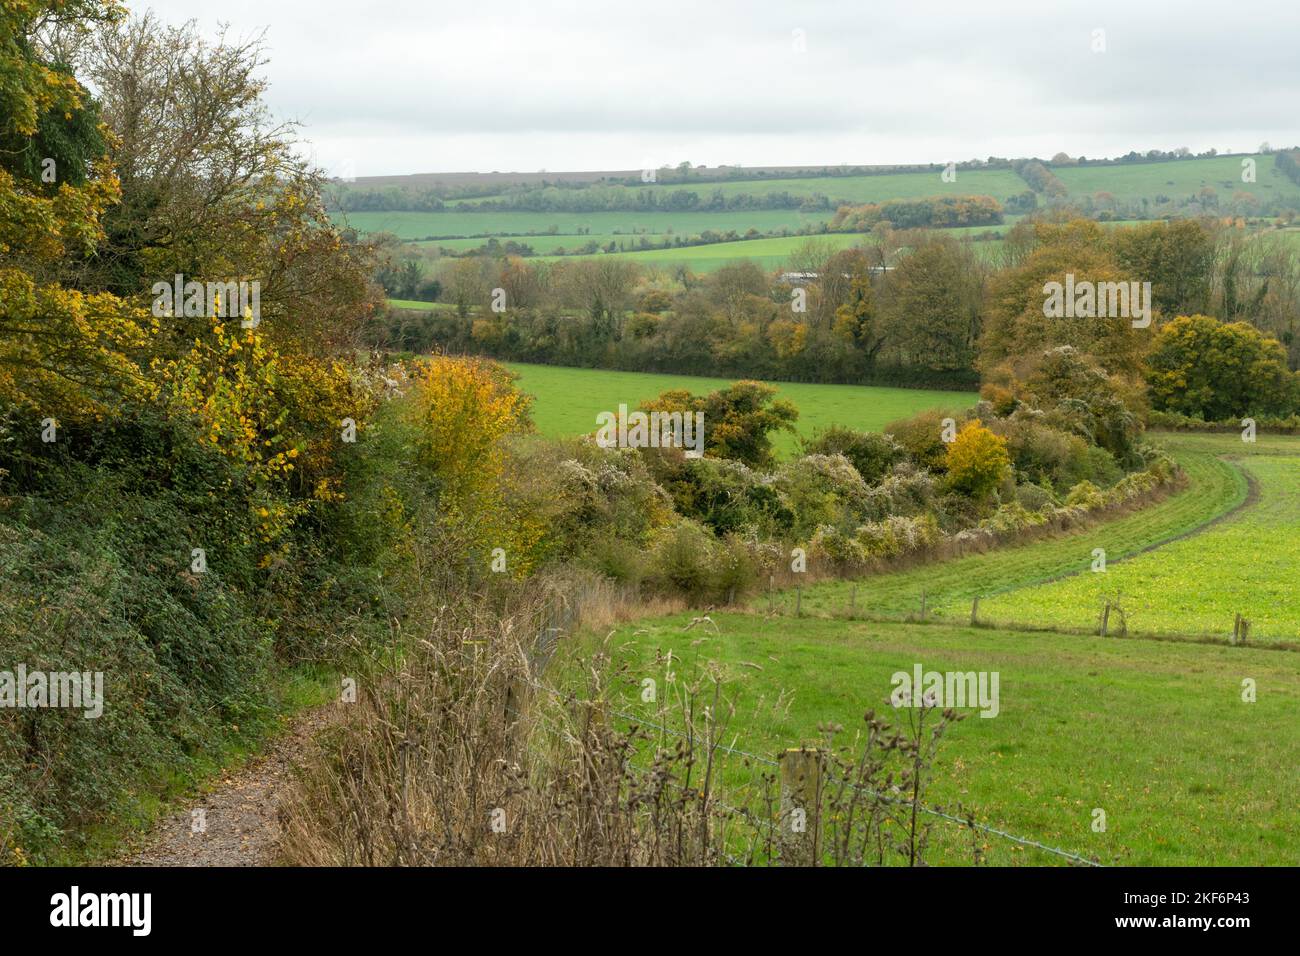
column 955, row 79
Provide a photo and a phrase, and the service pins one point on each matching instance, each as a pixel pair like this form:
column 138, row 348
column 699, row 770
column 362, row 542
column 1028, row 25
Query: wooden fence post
column 798, row 600
column 801, row 797
column 1105, row 619
column 923, row 604
column 853, row 600
column 975, row 612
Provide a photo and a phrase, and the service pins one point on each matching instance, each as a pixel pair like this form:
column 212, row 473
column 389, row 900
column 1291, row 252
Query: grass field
column 1177, row 179
column 418, row 225
column 547, row 245
column 1247, row 564
column 1155, row 734
column 568, row 399
column 768, row 253
column 421, row 306
column 1001, row 184
column 1216, row 486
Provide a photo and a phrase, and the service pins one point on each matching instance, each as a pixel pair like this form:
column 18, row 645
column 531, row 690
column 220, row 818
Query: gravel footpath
column 237, row 820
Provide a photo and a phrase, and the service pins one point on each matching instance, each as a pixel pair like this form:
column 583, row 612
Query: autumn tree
column 1175, row 257
column 63, row 351
column 977, row 461
column 1015, row 322
column 738, row 420
column 1219, row 370
column 213, row 188
column 932, row 310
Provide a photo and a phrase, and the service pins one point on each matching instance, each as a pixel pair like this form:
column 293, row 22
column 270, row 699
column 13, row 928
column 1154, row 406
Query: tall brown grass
column 468, row 748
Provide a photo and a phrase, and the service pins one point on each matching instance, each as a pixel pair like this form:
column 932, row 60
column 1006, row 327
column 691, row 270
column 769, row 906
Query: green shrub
column 907, row 491
column 728, row 496
column 1085, row 495
column 683, row 559
column 738, row 566
column 921, row 436
column 832, row 547
column 1034, row 497
column 823, row 489
column 872, row 454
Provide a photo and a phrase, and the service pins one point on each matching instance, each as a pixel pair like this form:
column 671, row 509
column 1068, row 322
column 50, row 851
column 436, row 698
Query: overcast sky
column 404, row 86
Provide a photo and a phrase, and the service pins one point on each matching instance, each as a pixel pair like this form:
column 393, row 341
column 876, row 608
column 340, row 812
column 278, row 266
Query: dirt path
column 238, row 819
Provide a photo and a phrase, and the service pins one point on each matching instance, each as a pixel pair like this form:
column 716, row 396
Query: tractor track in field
column 1251, row 498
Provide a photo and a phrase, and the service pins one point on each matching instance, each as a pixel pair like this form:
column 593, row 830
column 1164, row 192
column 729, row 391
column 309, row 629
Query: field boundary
column 1018, row 627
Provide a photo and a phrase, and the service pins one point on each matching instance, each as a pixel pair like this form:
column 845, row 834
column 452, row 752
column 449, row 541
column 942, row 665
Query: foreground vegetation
column 1154, row 734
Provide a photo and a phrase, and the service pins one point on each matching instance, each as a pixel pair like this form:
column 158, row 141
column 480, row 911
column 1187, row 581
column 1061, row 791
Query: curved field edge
column 1194, row 586
column 1215, row 488
column 1151, row 733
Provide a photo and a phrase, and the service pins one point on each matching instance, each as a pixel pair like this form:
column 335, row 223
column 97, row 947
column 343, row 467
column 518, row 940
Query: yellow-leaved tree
column 463, row 410
column 63, row 352
column 977, row 460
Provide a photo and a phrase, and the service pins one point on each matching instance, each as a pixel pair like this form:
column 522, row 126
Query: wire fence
column 1112, row 618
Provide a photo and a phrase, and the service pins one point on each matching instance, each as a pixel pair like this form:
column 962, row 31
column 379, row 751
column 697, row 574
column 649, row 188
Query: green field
column 420, row 306
column 1155, row 734
column 1216, row 486
column 1001, row 184
column 568, row 399
column 1177, row 179
column 418, row 225
column 767, row 253
column 547, row 245
column 1245, row 565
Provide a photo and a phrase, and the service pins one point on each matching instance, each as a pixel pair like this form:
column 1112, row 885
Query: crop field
column 421, row 225
column 767, row 253
column 548, row 244
column 1001, row 184
column 1155, row 734
column 568, row 399
column 564, row 234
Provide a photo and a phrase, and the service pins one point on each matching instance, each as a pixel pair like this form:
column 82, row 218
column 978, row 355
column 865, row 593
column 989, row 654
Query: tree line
column 910, row 307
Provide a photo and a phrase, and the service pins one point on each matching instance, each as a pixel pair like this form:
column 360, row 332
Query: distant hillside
column 751, row 208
